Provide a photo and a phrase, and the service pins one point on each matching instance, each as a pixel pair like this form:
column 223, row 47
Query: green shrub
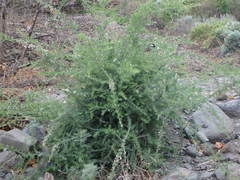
column 207, row 33
column 122, row 101
column 223, row 6
column 231, row 42
column 124, row 97
column 215, row 32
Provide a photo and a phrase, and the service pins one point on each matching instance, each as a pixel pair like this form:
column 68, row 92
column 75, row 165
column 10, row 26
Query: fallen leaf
column 32, row 163
column 219, row 145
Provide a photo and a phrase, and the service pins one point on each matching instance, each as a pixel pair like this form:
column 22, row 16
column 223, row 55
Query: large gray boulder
column 231, row 108
column 182, row 174
column 212, row 122
column 17, row 139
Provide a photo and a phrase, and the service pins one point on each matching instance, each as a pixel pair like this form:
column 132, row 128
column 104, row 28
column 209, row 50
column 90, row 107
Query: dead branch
column 3, row 25
column 15, row 68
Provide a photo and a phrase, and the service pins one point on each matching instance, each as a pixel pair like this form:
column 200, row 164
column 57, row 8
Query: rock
column 8, row 176
column 202, row 137
column 233, row 171
column 232, row 157
column 220, row 174
column 3, row 173
column 18, row 139
column 29, row 171
column 187, row 159
column 232, row 147
column 2, row 132
column 230, row 171
column 10, row 160
column 35, row 130
column 222, row 97
column 187, row 166
column 182, row 174
column 206, row 175
column 213, row 123
column 192, row 151
column 231, row 108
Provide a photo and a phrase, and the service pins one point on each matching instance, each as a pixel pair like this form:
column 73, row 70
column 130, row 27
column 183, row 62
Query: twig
column 34, row 21
column 30, row 32
column 29, row 35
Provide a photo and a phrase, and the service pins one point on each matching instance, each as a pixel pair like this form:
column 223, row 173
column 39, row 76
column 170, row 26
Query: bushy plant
column 223, row 6
column 123, row 98
column 207, row 33
column 231, row 42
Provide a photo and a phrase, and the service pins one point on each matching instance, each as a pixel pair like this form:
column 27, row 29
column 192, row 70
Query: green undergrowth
column 36, row 106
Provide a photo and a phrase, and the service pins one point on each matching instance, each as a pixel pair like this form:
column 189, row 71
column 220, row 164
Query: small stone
column 182, row 174
column 35, row 130
column 202, row 137
column 18, row 139
column 29, row 171
column 206, row 175
column 187, row 166
column 2, row 173
column 8, row 176
column 222, row 97
column 192, row 151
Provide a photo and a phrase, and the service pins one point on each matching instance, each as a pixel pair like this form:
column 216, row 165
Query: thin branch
column 4, row 25
column 34, row 21
column 14, row 70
